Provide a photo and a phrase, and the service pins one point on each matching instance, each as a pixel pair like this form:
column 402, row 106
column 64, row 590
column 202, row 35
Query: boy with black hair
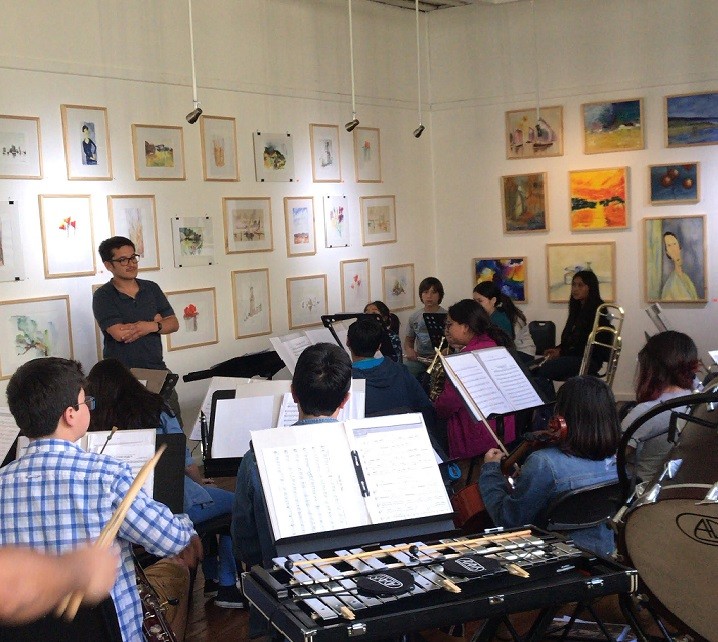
column 417, row 342
column 320, row 386
column 57, row 496
column 389, row 385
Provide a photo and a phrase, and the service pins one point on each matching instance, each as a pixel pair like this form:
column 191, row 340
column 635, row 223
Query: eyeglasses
column 124, row 260
column 89, row 401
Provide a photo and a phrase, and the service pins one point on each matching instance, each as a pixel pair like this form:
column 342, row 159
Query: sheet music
column 468, row 375
column 508, row 377
column 134, row 447
column 400, row 468
column 354, row 408
column 288, row 412
column 308, row 479
column 233, row 421
column 8, row 432
column 713, row 355
column 216, row 383
column 289, row 347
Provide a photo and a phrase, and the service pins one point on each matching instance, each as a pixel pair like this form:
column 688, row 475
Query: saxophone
column 437, row 374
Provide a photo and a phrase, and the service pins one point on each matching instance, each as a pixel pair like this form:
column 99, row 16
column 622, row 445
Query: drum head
column 673, row 544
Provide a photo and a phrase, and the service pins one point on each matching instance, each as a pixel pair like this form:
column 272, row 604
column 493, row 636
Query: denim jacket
column 546, row 474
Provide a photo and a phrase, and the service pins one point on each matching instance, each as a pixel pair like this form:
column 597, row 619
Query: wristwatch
column 159, row 327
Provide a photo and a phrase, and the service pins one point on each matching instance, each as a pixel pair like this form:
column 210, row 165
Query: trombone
column 604, row 335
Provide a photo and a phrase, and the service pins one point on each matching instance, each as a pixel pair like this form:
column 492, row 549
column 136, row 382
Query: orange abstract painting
column 599, row 198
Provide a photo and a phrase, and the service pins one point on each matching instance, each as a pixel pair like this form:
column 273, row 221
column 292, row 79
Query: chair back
column 544, row 335
column 585, row 507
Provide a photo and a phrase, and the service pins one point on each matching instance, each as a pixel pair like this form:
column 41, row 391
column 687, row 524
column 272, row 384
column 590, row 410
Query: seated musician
column 389, row 385
column 417, row 343
column 468, row 326
column 124, row 402
column 585, row 457
column 56, row 496
column 666, row 369
column 320, row 386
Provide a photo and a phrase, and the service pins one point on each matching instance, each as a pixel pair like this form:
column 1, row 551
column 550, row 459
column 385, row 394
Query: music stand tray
column 436, row 325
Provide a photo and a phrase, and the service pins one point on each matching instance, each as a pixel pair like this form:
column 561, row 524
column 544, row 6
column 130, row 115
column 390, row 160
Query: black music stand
column 330, row 319
column 436, row 325
column 169, row 473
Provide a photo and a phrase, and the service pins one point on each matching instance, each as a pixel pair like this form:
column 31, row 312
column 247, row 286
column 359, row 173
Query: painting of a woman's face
column 672, row 248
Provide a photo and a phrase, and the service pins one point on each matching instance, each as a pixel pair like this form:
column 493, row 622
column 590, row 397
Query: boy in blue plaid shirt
column 57, row 496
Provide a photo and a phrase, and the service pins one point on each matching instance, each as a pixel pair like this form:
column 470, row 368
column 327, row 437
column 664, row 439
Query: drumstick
column 70, row 603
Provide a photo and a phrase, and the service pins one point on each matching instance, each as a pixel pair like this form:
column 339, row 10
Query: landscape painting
column 524, row 203
column 614, row 126
column 692, row 119
column 599, row 199
column 563, row 260
column 509, row 274
column 533, row 135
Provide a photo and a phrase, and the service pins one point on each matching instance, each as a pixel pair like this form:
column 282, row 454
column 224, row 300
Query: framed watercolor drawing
column 34, row 328
column 192, row 241
column 299, row 218
column 20, row 145
column 273, row 157
column 613, row 126
column 509, row 274
column 529, row 136
column 691, row 119
column 11, row 258
column 675, row 259
column 397, row 286
column 326, row 161
column 68, row 247
column 599, row 199
column 87, row 143
column 336, row 221
column 367, row 155
column 525, row 202
column 306, row 300
column 252, row 303
column 158, row 153
column 563, row 260
column 673, row 184
column 356, row 289
column 135, row 218
column 219, row 148
column 247, row 225
column 196, row 311
column 378, row 216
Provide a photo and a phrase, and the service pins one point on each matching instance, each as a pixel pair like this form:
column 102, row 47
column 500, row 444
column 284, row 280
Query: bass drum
column 670, row 535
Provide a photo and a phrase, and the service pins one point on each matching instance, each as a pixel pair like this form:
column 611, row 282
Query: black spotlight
column 194, row 115
column 419, row 131
column 351, row 125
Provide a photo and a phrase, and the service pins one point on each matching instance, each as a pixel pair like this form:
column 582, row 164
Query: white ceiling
column 431, row 5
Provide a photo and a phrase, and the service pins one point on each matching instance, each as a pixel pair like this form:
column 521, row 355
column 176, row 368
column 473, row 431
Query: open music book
column 491, row 382
column 290, row 346
column 331, row 476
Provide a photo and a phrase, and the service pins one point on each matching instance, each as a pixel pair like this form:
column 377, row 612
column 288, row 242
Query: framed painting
column 219, row 148
column 299, row 218
column 336, row 221
column 11, row 258
column 599, row 199
column 135, row 218
column 378, row 216
column 192, row 241
column 367, row 155
column 691, row 119
column 563, row 260
column 675, row 259
column 674, row 184
column 252, row 303
column 509, row 274
column 87, row 143
column 20, row 144
column 273, row 157
column 534, row 133
column 247, row 225
column 326, row 161
column 613, row 126
column 34, row 328
column 397, row 285
column 356, row 288
column 197, row 321
column 68, row 246
column 158, row 153
column 525, row 202
column 306, row 300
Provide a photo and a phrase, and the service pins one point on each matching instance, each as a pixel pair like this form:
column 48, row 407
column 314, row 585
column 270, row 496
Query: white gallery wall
column 279, row 65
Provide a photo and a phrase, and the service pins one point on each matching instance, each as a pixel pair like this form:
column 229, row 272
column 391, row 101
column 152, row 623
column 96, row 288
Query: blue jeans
column 226, row 570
